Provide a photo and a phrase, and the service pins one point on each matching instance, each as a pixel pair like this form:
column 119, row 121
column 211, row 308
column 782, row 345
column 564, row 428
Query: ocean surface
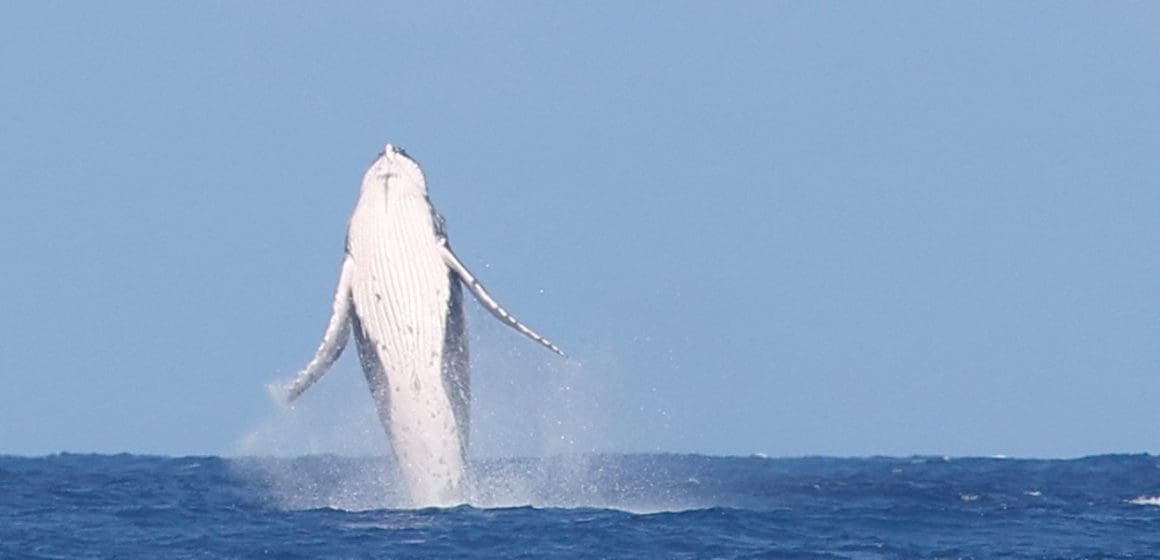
column 591, row 506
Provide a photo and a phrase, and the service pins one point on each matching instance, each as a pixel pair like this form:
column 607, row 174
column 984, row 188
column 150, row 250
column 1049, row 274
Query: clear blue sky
column 780, row 228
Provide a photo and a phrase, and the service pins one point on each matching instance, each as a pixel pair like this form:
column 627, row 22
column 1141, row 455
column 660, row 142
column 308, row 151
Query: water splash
column 537, row 431
column 622, row 482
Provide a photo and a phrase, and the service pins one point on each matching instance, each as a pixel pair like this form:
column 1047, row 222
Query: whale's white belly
column 400, row 287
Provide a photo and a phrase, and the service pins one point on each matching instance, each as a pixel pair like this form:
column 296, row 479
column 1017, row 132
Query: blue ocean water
column 592, row 506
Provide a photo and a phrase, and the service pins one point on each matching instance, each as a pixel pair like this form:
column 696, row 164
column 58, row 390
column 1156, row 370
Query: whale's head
column 397, row 170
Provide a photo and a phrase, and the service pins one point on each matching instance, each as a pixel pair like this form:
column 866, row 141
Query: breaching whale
column 400, row 293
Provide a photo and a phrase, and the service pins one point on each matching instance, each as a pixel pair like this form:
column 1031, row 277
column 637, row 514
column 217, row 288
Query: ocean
column 586, row 506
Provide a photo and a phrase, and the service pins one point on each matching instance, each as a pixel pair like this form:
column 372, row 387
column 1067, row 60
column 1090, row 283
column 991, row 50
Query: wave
column 652, row 483
column 592, row 505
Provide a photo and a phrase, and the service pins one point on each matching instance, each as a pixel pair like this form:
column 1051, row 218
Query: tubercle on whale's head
column 395, row 165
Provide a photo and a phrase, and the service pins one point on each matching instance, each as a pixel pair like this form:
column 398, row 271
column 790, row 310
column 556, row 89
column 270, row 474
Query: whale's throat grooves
column 402, row 293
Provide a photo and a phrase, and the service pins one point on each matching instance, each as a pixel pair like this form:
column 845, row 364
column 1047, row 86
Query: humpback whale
column 400, row 292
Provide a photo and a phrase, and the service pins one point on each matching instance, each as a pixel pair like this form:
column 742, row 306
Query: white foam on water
column 572, row 481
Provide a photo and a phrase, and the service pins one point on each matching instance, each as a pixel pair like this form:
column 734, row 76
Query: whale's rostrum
column 400, row 293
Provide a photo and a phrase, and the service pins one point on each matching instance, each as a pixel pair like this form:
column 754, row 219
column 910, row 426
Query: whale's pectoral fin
column 489, row 302
column 333, row 340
